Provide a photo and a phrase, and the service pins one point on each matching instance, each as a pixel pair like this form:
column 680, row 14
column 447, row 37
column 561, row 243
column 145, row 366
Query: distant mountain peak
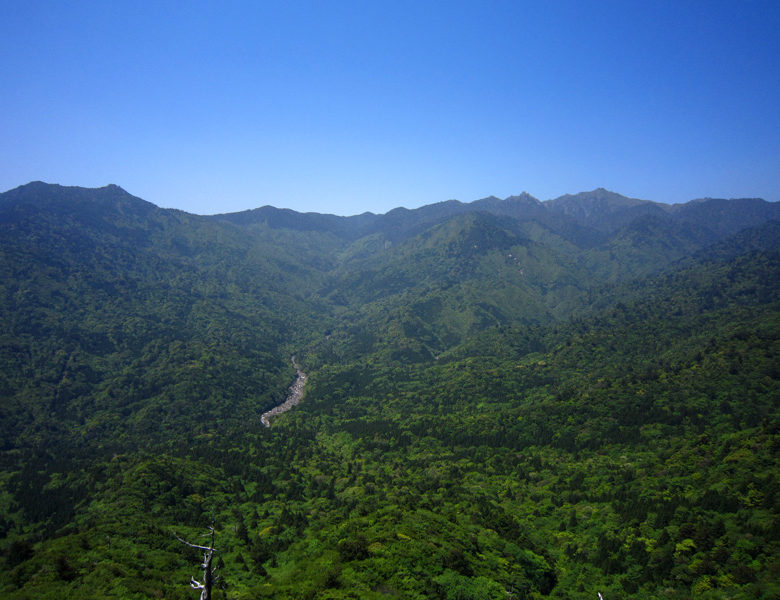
column 64, row 199
column 523, row 197
column 598, row 196
column 37, row 184
column 492, row 202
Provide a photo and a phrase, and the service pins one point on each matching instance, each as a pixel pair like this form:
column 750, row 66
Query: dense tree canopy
column 504, row 400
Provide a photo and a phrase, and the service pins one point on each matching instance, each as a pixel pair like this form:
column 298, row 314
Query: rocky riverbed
column 294, row 396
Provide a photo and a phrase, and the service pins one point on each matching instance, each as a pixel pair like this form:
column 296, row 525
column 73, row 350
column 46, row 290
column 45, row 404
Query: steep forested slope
column 121, row 316
column 506, row 398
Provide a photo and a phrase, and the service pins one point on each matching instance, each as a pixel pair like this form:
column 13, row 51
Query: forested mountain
column 505, row 398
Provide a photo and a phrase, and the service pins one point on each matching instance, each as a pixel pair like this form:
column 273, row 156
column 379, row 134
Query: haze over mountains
column 600, row 209
column 508, row 396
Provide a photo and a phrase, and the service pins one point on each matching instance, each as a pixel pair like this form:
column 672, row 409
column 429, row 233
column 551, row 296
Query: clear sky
column 344, row 107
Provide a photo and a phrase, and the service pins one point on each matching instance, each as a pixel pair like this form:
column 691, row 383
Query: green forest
column 505, row 399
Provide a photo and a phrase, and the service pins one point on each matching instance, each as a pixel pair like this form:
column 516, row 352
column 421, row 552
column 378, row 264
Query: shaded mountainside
column 106, row 297
column 505, row 398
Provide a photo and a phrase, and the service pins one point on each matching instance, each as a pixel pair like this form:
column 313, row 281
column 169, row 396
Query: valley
column 503, row 398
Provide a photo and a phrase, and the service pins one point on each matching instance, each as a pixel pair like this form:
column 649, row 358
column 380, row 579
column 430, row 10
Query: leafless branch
column 209, row 572
column 186, row 543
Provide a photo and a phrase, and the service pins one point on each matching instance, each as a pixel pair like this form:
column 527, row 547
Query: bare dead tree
column 209, row 573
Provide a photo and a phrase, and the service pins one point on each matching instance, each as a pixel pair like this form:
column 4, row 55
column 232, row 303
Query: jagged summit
column 599, row 197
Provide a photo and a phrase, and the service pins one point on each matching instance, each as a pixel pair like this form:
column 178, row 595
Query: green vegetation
column 496, row 407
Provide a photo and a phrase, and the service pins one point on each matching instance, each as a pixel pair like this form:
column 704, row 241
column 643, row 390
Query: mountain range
column 504, row 398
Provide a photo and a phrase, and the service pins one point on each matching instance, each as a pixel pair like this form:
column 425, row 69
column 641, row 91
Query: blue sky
column 344, row 107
